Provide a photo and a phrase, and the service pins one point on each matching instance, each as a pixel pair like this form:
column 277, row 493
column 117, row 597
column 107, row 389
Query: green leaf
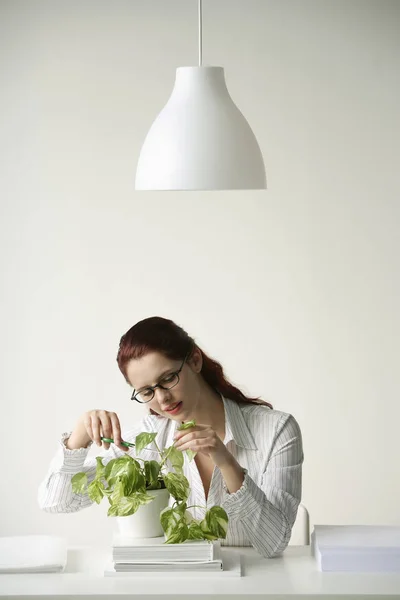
column 127, row 506
column 175, row 457
column 113, row 511
column 195, row 531
column 170, row 517
column 190, row 454
column 217, row 521
column 187, row 425
column 127, row 470
column 156, row 485
column 108, row 468
column 177, row 485
column 178, row 534
column 174, row 525
column 118, row 492
column 144, row 497
column 180, row 508
column 79, row 482
column 134, row 480
column 152, row 471
column 207, row 535
column 143, row 440
column 100, row 468
column 96, row 491
column 140, row 484
column 117, row 467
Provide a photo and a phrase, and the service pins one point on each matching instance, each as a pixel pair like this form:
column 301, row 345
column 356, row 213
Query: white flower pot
column 145, row 522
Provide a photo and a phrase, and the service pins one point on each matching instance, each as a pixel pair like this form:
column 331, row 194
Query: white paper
column 231, row 567
column 357, row 548
column 32, row 553
column 131, row 550
column 358, row 536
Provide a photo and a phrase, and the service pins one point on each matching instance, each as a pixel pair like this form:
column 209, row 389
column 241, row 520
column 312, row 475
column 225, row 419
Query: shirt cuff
column 70, row 460
column 245, row 501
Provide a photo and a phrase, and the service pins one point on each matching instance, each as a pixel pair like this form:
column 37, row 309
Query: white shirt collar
column 235, row 426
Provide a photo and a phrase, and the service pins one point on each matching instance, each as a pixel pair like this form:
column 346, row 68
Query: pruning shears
column 111, row 441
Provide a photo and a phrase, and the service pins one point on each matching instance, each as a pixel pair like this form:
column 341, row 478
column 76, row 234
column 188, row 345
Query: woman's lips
column 175, row 409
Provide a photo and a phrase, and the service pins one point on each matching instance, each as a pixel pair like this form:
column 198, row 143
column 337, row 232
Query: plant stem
column 156, row 445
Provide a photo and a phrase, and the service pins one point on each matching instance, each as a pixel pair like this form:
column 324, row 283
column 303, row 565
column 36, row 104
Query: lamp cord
column 200, row 34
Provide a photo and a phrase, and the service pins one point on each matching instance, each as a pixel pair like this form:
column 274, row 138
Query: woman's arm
column 267, row 513
column 55, row 492
column 233, row 475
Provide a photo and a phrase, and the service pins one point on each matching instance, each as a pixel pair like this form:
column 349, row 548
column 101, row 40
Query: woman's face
column 177, row 403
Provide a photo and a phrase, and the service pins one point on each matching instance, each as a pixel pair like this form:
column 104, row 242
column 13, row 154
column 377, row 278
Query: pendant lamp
column 200, row 140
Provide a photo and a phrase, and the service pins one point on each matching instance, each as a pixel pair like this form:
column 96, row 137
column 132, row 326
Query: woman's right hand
column 92, row 426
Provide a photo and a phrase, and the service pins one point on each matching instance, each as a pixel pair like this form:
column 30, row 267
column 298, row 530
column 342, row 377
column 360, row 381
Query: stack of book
column 357, row 548
column 132, row 556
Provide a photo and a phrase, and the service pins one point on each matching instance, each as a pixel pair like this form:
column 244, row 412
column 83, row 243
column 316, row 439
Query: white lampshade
column 200, row 140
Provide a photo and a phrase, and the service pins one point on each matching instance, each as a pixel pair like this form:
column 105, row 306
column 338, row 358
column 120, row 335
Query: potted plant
column 138, row 492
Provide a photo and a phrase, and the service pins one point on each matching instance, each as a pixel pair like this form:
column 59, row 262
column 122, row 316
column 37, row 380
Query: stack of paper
column 132, row 555
column 133, row 550
column 33, row 554
column 357, row 548
column 172, row 565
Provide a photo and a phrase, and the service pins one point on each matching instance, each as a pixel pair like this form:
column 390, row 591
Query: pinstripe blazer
column 266, row 443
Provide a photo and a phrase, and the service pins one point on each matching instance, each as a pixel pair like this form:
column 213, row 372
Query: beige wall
column 295, row 290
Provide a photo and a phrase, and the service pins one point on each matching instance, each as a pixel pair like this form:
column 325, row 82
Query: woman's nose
column 162, row 394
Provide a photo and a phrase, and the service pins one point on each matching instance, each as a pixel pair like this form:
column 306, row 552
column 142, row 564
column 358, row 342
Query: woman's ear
column 196, row 360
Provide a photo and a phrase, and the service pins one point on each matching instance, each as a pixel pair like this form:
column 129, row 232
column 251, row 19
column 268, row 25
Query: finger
column 192, row 435
column 179, row 434
column 197, row 446
column 188, row 442
column 87, row 421
column 183, row 444
column 106, row 427
column 193, row 431
column 95, row 423
column 116, row 428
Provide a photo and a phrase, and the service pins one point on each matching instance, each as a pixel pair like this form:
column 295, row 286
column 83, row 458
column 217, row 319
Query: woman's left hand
column 203, row 439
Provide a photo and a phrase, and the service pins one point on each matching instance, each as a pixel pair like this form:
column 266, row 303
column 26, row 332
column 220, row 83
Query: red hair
column 157, row 334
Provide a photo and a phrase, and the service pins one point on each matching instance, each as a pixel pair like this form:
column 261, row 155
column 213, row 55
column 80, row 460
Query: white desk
column 294, row 575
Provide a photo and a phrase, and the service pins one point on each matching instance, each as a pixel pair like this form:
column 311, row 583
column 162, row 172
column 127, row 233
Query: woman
column 249, row 457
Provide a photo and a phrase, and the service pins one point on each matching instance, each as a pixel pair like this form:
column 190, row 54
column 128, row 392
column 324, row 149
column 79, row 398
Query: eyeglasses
column 166, row 383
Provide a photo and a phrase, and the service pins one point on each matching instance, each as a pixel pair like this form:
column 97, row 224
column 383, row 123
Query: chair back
column 301, row 528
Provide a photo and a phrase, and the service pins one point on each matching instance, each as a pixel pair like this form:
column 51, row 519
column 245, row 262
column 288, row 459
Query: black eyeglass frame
column 158, row 385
